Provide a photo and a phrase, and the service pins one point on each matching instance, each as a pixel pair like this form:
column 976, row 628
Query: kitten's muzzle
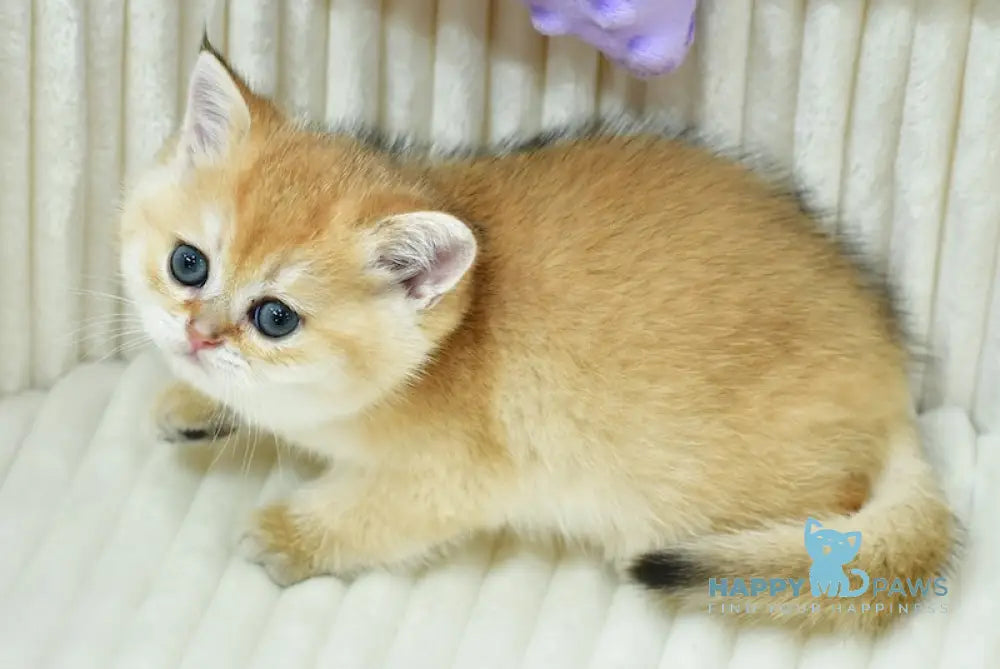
column 198, row 340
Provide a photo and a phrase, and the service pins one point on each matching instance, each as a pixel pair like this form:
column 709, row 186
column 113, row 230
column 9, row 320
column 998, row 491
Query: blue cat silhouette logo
column 830, row 550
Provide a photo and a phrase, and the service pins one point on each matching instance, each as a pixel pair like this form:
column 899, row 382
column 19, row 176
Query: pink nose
column 199, row 340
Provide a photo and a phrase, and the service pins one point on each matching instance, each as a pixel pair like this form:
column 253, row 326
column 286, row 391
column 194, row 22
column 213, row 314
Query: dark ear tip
column 206, row 45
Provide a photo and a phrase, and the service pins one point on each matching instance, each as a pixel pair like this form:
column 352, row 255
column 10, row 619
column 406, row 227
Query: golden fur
column 654, row 350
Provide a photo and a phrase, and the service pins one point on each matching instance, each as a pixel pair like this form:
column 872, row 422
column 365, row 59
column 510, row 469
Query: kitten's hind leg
column 183, row 414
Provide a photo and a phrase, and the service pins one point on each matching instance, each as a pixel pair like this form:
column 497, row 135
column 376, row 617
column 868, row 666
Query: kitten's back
column 643, row 250
column 639, row 293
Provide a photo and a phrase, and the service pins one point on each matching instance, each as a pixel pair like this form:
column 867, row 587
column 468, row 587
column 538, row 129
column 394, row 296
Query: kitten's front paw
column 183, row 414
column 282, row 544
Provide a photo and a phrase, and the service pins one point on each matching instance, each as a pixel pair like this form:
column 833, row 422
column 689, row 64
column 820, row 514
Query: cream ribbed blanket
column 888, row 110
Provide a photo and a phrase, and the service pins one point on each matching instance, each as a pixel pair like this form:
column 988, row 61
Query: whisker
column 229, row 437
column 123, row 348
column 220, row 451
column 109, row 318
column 248, row 455
column 114, row 271
column 97, row 293
column 88, row 336
column 112, row 314
column 85, row 337
column 102, row 324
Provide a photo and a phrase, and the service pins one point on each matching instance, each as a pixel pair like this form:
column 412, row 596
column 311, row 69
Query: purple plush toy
column 648, row 37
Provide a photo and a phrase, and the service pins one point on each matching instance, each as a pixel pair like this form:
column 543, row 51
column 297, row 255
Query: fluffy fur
column 624, row 341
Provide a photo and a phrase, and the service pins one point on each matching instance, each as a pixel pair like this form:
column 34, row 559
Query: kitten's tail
column 908, row 533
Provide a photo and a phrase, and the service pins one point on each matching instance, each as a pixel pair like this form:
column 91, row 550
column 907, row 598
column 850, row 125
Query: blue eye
column 189, row 266
column 274, row 319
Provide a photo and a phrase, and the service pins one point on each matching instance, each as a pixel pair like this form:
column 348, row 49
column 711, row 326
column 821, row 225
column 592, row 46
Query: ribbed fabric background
column 889, row 110
column 118, row 550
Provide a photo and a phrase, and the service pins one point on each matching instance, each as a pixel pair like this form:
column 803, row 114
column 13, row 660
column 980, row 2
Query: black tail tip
column 666, row 570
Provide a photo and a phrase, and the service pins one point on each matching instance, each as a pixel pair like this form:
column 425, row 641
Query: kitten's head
column 290, row 274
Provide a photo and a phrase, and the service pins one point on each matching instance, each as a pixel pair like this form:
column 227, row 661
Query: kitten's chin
column 287, row 409
column 193, row 369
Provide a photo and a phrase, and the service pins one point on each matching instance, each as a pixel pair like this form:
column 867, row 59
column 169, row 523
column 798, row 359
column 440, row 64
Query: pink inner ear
column 427, row 270
column 425, row 252
column 407, row 272
column 427, row 280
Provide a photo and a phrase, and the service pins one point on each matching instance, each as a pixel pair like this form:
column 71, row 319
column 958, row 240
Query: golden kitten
column 624, row 341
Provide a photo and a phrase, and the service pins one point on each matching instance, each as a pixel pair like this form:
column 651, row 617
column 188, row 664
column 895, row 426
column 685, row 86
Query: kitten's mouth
column 193, row 356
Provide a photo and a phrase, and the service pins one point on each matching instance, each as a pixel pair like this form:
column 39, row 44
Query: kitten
column 624, row 341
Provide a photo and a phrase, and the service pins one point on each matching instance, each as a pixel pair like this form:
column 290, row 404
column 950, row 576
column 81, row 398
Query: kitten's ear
column 811, row 525
column 216, row 116
column 426, row 253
